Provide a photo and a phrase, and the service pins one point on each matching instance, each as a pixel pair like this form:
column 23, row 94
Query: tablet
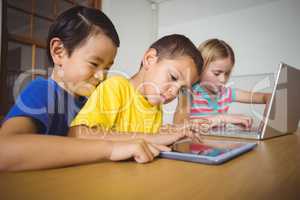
column 207, row 151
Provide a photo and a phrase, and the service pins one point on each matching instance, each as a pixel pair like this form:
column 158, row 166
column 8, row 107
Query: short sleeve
column 230, row 94
column 32, row 102
column 102, row 107
column 233, row 94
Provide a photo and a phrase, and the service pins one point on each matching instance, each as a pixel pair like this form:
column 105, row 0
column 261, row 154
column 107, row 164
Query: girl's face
column 87, row 66
column 164, row 78
column 216, row 74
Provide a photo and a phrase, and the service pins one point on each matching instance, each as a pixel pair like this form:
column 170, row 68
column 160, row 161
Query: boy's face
column 163, row 78
column 88, row 64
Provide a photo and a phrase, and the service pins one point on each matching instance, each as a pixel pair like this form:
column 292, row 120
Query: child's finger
column 197, row 138
column 200, row 121
column 141, row 157
column 148, row 150
column 245, row 122
column 251, row 122
column 143, row 154
column 248, row 122
column 200, row 128
column 242, row 122
column 153, row 150
column 161, row 147
column 204, row 128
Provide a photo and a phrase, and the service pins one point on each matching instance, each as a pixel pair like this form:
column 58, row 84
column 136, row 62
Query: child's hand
column 170, row 133
column 267, row 99
column 199, row 125
column 237, row 119
column 141, row 151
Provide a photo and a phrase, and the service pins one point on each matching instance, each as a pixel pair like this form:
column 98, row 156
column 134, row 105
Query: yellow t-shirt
column 115, row 105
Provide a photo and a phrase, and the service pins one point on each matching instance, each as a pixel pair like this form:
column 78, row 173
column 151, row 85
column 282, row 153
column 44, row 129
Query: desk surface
column 270, row 171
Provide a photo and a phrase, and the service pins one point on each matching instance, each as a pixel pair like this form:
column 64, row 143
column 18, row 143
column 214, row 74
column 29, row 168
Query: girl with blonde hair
column 210, row 98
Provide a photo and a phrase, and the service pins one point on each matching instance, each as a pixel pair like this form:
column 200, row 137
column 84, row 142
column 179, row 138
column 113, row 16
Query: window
column 24, row 32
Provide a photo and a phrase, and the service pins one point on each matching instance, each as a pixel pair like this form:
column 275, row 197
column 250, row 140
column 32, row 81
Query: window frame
column 7, row 37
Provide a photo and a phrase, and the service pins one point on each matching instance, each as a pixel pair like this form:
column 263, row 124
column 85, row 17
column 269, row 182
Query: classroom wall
column 262, row 33
column 134, row 21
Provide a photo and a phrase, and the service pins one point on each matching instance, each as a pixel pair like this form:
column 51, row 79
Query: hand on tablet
column 199, row 125
column 180, row 131
column 140, row 150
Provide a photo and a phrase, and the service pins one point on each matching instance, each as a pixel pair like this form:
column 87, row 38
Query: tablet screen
column 207, row 148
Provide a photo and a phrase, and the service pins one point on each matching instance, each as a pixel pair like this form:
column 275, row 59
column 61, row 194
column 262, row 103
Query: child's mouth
column 215, row 89
column 163, row 98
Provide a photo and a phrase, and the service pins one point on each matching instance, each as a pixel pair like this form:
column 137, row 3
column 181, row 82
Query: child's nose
column 222, row 79
column 100, row 75
column 174, row 90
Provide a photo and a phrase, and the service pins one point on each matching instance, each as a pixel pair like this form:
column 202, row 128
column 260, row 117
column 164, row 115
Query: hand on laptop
column 236, row 119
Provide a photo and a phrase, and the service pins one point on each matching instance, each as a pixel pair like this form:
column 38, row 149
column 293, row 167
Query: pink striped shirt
column 204, row 105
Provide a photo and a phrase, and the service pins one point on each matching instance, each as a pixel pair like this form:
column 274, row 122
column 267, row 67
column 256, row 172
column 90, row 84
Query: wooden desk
column 271, row 171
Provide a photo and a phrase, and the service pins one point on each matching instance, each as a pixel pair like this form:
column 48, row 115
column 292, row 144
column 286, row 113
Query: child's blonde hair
column 214, row 49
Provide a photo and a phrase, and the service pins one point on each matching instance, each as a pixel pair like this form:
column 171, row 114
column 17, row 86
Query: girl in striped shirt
column 209, row 98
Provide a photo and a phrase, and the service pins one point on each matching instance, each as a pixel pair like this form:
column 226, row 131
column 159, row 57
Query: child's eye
column 216, row 74
column 173, row 78
column 94, row 64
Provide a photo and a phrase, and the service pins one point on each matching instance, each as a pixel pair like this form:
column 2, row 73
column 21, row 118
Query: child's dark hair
column 175, row 45
column 75, row 25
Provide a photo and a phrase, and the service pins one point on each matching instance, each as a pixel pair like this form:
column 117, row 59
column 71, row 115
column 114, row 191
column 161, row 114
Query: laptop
column 283, row 112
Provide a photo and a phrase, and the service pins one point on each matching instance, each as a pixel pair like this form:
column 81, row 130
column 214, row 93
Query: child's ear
column 57, row 51
column 150, row 58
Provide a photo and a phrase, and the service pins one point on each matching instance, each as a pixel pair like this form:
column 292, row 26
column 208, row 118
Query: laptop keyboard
column 235, row 132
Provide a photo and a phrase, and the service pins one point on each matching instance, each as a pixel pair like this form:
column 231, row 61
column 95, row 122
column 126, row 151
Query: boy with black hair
column 120, row 107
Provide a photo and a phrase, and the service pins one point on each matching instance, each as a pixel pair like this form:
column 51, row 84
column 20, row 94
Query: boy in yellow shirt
column 119, row 106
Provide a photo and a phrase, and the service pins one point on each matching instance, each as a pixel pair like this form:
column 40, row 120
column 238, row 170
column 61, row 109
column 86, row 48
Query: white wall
column 262, row 33
column 134, row 22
